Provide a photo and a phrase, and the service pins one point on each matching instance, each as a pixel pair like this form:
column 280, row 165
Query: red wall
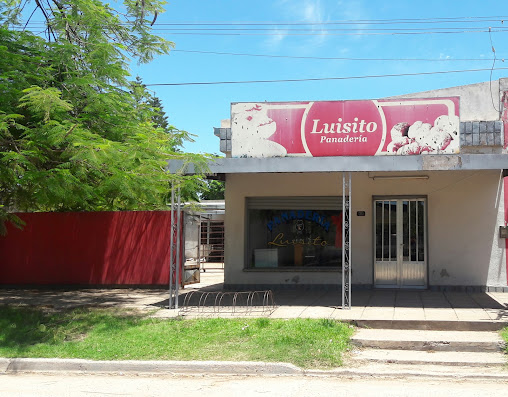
column 87, row 248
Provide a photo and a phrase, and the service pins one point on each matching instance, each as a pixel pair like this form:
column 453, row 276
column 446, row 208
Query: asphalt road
column 21, row 385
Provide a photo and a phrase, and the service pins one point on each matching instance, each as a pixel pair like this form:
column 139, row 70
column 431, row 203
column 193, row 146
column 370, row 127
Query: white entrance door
column 400, row 252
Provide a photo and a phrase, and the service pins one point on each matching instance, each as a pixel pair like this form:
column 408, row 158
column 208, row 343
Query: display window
column 294, row 238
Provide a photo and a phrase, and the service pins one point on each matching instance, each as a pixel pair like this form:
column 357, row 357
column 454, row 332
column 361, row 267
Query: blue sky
column 198, row 109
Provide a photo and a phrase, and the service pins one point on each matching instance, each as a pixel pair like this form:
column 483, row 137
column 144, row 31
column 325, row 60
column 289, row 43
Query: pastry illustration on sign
column 423, row 138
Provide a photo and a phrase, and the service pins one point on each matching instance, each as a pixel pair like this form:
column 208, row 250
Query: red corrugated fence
column 87, row 248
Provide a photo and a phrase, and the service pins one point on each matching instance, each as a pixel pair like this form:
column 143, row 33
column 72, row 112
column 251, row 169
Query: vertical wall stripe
column 504, row 117
column 505, row 195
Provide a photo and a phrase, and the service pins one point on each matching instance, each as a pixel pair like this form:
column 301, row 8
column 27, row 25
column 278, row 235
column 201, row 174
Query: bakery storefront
column 404, row 192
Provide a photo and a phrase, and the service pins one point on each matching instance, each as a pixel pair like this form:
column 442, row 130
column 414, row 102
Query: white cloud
column 312, row 11
column 320, row 12
column 353, row 10
column 298, row 11
column 274, row 41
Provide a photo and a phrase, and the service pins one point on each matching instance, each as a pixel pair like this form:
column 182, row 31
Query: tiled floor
column 400, row 305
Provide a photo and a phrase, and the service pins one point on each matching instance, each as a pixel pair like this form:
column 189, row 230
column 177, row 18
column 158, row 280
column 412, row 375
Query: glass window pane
column 421, row 230
column 412, row 230
column 288, row 238
column 405, row 230
column 393, row 230
column 386, row 231
column 379, row 230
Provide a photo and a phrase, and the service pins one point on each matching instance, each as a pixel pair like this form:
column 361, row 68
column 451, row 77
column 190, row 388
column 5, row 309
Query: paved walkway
column 367, row 305
column 397, row 305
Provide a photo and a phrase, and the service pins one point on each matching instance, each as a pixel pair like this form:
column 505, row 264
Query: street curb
column 16, row 365
column 55, row 365
column 4, row 365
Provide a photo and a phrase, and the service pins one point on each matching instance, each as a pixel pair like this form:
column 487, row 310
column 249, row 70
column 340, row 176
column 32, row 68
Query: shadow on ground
column 210, row 294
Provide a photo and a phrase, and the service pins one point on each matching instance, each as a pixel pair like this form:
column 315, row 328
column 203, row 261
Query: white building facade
column 427, row 174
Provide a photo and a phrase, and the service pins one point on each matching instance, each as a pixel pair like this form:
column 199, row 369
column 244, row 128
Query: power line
column 279, row 32
column 325, row 33
column 337, row 58
column 338, row 22
column 332, row 58
column 313, row 30
column 240, row 29
column 473, row 19
column 322, row 78
column 278, row 29
column 313, row 33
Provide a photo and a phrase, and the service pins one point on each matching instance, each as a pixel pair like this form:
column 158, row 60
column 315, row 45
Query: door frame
column 426, row 239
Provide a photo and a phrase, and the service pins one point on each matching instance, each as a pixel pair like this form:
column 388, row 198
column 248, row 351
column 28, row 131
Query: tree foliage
column 76, row 134
column 214, row 190
column 158, row 116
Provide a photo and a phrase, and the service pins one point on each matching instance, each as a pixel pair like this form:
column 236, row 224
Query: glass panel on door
column 400, row 243
column 386, row 242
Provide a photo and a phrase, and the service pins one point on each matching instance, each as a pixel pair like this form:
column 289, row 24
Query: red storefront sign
column 346, row 128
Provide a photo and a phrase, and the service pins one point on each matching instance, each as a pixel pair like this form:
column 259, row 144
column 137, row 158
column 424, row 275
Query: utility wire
column 305, row 29
column 331, row 58
column 313, row 29
column 335, row 22
column 491, row 70
column 325, row 33
column 321, row 78
column 327, row 23
column 502, row 59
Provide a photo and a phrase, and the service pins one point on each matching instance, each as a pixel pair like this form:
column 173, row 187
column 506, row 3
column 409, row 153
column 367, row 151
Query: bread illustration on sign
column 423, row 138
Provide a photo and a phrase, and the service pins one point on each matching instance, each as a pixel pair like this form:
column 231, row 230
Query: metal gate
column 211, row 241
column 400, row 235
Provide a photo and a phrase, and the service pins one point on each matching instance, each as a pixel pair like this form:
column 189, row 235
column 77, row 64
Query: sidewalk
column 367, row 305
column 370, row 308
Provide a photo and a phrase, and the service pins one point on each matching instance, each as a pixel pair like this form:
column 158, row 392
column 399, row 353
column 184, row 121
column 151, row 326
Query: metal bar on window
column 383, row 232
column 389, row 231
column 417, row 237
column 409, row 229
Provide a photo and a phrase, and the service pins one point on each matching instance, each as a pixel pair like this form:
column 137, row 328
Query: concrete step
column 393, row 339
column 427, row 371
column 415, row 357
column 436, row 325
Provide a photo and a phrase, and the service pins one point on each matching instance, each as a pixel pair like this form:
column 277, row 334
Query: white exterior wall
column 475, row 99
column 465, row 210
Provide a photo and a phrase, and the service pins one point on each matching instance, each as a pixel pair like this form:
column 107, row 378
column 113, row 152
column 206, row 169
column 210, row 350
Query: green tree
column 158, row 117
column 213, row 190
column 75, row 133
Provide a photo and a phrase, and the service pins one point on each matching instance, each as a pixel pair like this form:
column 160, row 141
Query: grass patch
column 101, row 334
column 504, row 335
